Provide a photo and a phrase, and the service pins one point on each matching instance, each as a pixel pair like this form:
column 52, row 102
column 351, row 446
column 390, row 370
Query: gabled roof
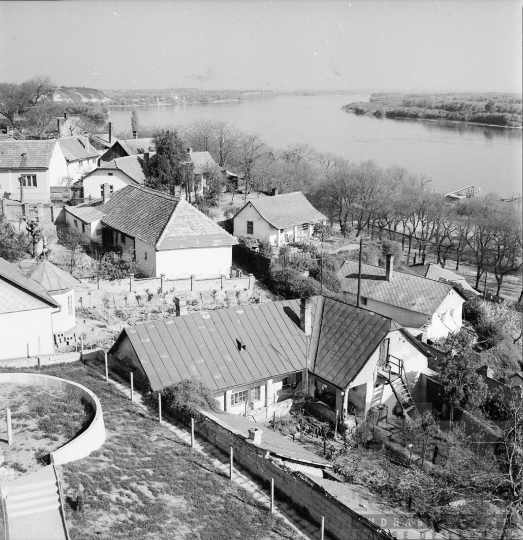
column 86, row 212
column 283, row 211
column 436, row 273
column 77, row 148
column 53, row 278
column 132, row 166
column 137, row 146
column 15, row 282
column 26, row 154
column 201, row 161
column 344, row 338
column 103, row 139
column 406, row 291
column 161, row 220
column 205, row 345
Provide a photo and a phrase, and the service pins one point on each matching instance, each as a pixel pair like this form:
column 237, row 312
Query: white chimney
column 105, row 193
column 255, row 435
column 306, row 316
column 389, row 271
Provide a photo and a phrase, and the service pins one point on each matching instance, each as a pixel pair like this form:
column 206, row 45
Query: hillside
column 490, row 108
column 79, row 94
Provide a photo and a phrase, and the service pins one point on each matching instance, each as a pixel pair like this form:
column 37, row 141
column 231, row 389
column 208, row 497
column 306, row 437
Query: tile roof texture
column 435, row 272
column 283, row 211
column 16, row 279
column 206, row 345
column 77, row 148
column 137, row 146
column 403, row 290
column 202, row 161
column 344, row 337
column 53, row 278
column 132, row 166
column 37, row 154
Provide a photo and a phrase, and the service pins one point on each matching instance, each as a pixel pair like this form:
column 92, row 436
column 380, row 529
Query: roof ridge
column 156, row 192
column 162, row 234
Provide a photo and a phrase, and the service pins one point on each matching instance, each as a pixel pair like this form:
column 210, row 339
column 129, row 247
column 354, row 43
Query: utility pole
column 358, row 298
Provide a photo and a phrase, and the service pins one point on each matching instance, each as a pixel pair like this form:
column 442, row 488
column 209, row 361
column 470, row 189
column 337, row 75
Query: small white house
column 279, row 219
column 26, row 315
column 60, row 285
column 80, row 155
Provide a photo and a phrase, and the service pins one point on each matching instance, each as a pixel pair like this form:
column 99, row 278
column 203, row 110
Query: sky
column 416, row 45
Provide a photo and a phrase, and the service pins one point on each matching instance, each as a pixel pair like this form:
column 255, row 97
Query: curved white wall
column 88, row 441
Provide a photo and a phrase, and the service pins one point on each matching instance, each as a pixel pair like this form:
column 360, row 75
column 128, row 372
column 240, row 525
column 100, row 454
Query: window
column 305, row 226
column 70, row 304
column 29, row 180
column 111, row 189
column 239, row 397
column 83, row 227
column 255, row 394
column 76, row 223
column 285, row 383
column 250, row 227
column 123, row 238
column 299, row 377
column 363, row 301
column 109, row 174
column 80, row 163
column 281, row 230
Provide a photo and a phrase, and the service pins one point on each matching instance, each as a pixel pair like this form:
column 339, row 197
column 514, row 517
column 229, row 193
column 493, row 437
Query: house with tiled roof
column 29, row 168
column 128, row 147
column 60, row 286
column 167, row 235
column 428, row 307
column 81, row 156
column 256, row 355
column 203, row 163
column 118, row 173
column 437, row 273
column 278, row 219
column 26, row 311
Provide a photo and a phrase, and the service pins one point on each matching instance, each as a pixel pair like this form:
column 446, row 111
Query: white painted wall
column 64, row 319
column 10, row 187
column 200, row 262
column 21, row 328
column 448, row 317
column 77, row 169
column 92, row 183
column 147, row 266
column 58, row 171
column 93, row 230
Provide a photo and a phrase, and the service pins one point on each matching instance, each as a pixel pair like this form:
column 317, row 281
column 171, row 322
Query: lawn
column 145, row 483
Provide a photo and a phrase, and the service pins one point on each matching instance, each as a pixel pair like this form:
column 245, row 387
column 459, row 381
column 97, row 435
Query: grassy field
column 144, row 483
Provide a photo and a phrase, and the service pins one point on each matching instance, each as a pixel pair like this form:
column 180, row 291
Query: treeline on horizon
column 489, row 108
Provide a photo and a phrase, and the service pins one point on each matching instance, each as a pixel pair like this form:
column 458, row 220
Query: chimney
column 306, row 316
column 255, row 435
column 58, row 126
column 189, row 150
column 389, row 272
column 489, row 372
column 105, row 193
column 274, row 191
column 65, row 116
column 87, row 147
column 181, row 305
column 135, row 134
column 110, row 131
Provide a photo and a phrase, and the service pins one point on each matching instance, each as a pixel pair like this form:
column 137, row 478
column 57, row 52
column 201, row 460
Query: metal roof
column 53, row 278
column 436, row 273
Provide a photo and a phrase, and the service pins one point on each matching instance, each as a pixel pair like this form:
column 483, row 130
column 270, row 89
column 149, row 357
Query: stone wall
column 314, row 496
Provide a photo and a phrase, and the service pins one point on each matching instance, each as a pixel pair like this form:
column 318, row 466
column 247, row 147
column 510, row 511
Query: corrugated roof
column 283, row 211
column 205, row 345
column 53, row 278
column 202, row 161
column 404, row 290
column 10, row 273
column 37, row 154
column 77, row 148
column 271, row 441
column 347, row 338
column 436, row 273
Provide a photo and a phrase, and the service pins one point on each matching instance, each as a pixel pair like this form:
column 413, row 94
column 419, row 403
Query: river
column 453, row 155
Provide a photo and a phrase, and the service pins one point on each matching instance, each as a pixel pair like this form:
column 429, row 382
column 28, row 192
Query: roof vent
column 255, row 435
column 241, row 345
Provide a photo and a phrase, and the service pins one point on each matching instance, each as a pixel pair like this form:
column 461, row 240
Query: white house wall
column 20, row 330
column 146, row 265
column 10, row 186
column 448, row 317
column 261, row 229
column 92, row 184
column 64, row 319
column 77, row 169
column 200, row 262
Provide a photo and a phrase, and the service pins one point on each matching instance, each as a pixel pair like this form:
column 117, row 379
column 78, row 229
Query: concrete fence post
column 9, row 428
column 322, row 530
column 132, row 387
column 231, row 465
column 192, row 282
column 81, row 348
column 162, row 282
column 106, row 367
column 131, row 282
column 251, row 281
column 52, row 214
column 160, row 407
column 222, row 281
column 4, row 207
column 272, row 495
column 192, row 432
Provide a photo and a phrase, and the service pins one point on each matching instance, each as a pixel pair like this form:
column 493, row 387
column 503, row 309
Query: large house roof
column 436, row 273
column 26, row 154
column 161, row 220
column 201, row 161
column 136, row 146
column 406, row 291
column 13, row 286
column 132, row 166
column 344, row 337
column 283, row 211
column 77, row 148
column 53, row 278
column 207, row 346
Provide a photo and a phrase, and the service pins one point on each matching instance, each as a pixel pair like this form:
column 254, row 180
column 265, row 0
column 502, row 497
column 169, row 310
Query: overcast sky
column 280, row 45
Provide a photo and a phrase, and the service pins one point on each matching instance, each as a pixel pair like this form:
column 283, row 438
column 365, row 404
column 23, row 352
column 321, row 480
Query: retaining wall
column 88, row 441
column 312, row 496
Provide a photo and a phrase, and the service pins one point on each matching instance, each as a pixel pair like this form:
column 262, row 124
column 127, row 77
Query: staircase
column 33, row 507
column 403, row 396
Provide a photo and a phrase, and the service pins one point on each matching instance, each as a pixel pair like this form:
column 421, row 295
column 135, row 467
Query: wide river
column 453, row 155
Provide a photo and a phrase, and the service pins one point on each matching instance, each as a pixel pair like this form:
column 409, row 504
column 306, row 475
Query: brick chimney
column 389, row 269
column 255, row 435
column 306, row 316
column 105, row 193
column 135, row 134
column 181, row 305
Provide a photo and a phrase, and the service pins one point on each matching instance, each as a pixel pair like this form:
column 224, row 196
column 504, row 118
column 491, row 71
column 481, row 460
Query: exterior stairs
column 403, row 396
column 33, row 507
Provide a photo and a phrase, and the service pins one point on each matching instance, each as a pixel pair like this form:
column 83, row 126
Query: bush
column 188, row 397
column 291, row 284
column 389, row 247
column 265, row 249
column 330, row 279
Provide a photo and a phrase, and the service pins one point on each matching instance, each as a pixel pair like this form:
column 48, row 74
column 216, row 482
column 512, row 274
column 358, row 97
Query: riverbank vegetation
column 490, row 108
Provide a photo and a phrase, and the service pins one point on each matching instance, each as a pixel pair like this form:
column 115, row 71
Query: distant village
column 346, row 359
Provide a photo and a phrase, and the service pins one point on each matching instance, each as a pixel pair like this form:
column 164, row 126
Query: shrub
column 389, row 247
column 330, row 279
column 291, row 284
column 265, row 249
column 188, row 397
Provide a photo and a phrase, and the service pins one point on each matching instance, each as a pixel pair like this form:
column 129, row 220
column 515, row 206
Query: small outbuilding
column 60, row 285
